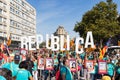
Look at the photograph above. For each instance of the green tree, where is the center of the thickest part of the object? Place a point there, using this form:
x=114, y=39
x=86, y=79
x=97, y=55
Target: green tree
x=119, y=19
x=42, y=45
x=101, y=20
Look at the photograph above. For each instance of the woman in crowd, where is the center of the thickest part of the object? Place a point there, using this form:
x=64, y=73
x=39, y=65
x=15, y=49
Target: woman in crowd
x=117, y=71
x=23, y=73
x=35, y=72
x=110, y=69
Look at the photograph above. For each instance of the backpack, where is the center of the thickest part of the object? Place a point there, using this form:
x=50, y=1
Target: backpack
x=58, y=75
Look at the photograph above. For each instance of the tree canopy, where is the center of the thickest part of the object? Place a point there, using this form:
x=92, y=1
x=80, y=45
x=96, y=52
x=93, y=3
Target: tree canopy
x=101, y=20
x=119, y=19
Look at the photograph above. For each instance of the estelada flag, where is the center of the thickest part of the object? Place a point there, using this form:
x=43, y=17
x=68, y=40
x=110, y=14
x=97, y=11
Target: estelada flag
x=9, y=40
x=71, y=43
x=102, y=52
x=65, y=45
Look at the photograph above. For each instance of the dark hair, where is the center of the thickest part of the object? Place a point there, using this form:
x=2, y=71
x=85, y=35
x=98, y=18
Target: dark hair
x=59, y=57
x=23, y=64
x=64, y=60
x=6, y=73
x=0, y=50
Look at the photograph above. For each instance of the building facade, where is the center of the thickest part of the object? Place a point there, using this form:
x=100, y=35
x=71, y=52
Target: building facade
x=61, y=31
x=18, y=18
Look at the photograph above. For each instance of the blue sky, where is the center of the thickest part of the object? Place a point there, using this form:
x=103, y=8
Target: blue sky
x=52, y=13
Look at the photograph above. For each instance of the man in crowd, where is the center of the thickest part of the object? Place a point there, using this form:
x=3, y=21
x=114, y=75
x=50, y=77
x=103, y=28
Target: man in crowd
x=65, y=71
x=29, y=63
x=1, y=56
x=13, y=66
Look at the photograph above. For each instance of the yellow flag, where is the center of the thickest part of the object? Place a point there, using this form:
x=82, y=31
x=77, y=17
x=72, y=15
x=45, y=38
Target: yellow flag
x=9, y=40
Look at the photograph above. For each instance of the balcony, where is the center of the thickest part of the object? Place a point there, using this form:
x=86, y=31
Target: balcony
x=0, y=23
x=2, y=15
x=3, y=8
x=3, y=1
x=3, y=29
x=3, y=23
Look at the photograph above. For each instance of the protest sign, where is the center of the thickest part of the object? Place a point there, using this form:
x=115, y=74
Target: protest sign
x=89, y=65
x=102, y=65
x=41, y=63
x=23, y=51
x=72, y=64
x=49, y=64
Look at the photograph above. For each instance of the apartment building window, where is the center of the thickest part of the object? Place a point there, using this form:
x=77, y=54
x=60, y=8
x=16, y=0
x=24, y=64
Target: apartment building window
x=18, y=25
x=12, y=30
x=13, y=37
x=4, y=20
x=22, y=14
x=12, y=9
x=0, y=11
x=1, y=3
x=1, y=27
x=11, y=0
x=11, y=22
x=0, y=19
x=23, y=3
x=16, y=12
x=18, y=8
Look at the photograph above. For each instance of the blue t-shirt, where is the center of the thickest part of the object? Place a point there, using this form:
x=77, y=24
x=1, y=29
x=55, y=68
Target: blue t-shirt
x=23, y=74
x=12, y=66
x=110, y=69
x=52, y=55
x=95, y=70
x=35, y=66
x=6, y=65
x=118, y=70
x=2, y=78
x=56, y=61
x=67, y=72
x=105, y=58
x=82, y=55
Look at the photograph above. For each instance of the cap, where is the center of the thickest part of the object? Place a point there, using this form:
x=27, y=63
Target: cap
x=17, y=57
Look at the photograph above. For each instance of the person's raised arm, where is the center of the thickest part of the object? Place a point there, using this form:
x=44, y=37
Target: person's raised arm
x=31, y=78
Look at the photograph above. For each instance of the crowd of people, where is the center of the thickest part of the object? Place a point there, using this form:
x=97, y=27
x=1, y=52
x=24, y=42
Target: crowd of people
x=18, y=66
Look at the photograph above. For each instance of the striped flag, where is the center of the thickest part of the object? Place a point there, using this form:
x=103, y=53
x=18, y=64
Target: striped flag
x=65, y=45
x=102, y=52
x=72, y=43
x=9, y=40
